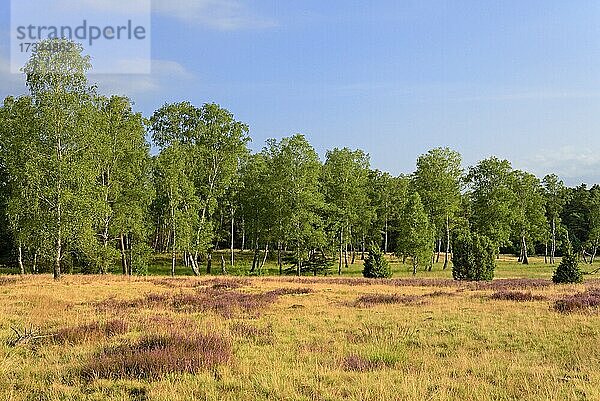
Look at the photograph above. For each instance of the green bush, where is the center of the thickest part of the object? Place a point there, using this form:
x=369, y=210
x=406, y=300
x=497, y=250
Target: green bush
x=376, y=265
x=473, y=258
x=568, y=270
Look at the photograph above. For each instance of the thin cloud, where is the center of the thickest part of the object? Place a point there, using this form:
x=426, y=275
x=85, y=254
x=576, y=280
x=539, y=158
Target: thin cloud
x=226, y=15
x=165, y=73
x=573, y=164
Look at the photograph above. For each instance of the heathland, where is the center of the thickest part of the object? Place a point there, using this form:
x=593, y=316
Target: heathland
x=89, y=337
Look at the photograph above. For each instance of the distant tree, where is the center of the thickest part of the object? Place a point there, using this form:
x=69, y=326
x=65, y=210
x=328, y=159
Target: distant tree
x=294, y=169
x=213, y=143
x=344, y=180
x=415, y=235
x=473, y=257
x=176, y=203
x=6, y=240
x=388, y=197
x=492, y=199
x=594, y=216
x=576, y=218
x=556, y=196
x=568, y=270
x=255, y=202
x=528, y=211
x=438, y=182
x=376, y=265
x=124, y=187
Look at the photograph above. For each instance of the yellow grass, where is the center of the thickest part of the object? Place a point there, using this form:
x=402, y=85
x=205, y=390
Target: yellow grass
x=457, y=346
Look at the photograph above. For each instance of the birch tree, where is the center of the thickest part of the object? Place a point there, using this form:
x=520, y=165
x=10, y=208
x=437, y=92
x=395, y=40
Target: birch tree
x=438, y=181
x=556, y=197
x=344, y=180
x=58, y=165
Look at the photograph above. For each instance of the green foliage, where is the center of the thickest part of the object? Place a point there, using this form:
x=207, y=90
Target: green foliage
x=293, y=169
x=492, y=199
x=376, y=265
x=344, y=183
x=50, y=157
x=568, y=270
x=141, y=254
x=202, y=148
x=473, y=256
x=437, y=180
x=388, y=196
x=415, y=236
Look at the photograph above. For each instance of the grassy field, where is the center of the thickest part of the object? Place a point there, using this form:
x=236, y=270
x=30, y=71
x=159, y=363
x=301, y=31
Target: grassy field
x=507, y=267
x=324, y=338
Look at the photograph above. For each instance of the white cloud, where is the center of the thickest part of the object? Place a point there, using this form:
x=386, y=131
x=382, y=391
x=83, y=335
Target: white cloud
x=224, y=15
x=164, y=73
x=573, y=164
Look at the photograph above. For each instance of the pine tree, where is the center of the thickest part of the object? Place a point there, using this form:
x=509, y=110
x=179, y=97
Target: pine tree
x=568, y=270
x=376, y=266
x=473, y=258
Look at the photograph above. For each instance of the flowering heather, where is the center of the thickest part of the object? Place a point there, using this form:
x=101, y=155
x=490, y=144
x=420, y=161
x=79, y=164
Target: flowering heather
x=497, y=285
x=378, y=299
x=517, y=296
x=156, y=355
x=206, y=299
x=580, y=302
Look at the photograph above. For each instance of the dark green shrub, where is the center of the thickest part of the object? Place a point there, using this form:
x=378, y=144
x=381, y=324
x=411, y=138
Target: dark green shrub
x=568, y=270
x=474, y=257
x=376, y=265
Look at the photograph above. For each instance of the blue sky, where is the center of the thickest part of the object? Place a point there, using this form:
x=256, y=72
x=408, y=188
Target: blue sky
x=516, y=79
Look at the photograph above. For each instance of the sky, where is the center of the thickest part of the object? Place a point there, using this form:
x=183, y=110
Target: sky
x=516, y=79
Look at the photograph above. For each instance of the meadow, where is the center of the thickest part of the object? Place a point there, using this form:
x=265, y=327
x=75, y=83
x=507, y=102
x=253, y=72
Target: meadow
x=86, y=337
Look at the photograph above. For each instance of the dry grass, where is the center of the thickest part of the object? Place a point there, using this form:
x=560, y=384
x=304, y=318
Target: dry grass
x=277, y=339
x=91, y=331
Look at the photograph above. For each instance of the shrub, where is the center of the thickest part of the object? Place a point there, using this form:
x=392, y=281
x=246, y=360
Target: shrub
x=376, y=266
x=568, y=270
x=473, y=258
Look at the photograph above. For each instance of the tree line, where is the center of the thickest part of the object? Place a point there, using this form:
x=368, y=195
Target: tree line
x=79, y=186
